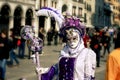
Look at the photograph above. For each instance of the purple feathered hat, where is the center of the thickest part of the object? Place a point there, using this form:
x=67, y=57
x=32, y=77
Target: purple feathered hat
x=72, y=22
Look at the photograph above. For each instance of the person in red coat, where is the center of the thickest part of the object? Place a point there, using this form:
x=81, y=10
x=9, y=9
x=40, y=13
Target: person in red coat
x=86, y=40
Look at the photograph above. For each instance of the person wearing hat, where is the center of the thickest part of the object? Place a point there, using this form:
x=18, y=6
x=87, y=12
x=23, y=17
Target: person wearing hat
x=76, y=62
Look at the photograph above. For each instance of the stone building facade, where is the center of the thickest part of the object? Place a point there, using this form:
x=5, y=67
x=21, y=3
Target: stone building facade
x=115, y=11
x=89, y=10
x=17, y=13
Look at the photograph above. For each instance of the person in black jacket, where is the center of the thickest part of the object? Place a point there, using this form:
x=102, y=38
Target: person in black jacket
x=4, y=52
x=49, y=36
x=12, y=52
x=42, y=36
x=106, y=43
x=95, y=45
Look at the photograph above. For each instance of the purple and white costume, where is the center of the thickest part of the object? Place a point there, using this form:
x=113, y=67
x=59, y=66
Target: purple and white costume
x=75, y=62
x=79, y=65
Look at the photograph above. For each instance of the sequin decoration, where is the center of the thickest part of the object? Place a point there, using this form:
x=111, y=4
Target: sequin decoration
x=27, y=32
x=35, y=43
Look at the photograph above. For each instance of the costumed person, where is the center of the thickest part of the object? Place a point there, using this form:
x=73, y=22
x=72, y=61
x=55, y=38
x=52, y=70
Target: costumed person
x=113, y=61
x=76, y=62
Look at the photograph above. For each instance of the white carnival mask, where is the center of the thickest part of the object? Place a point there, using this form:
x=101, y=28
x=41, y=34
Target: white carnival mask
x=73, y=38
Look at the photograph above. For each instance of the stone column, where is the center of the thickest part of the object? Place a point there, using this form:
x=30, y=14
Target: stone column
x=47, y=24
x=11, y=22
x=23, y=21
x=37, y=4
x=49, y=3
x=35, y=24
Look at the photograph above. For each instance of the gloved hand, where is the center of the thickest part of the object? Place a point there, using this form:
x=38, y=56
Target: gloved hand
x=41, y=70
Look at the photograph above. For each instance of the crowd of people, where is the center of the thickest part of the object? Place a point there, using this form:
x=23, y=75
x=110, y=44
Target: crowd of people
x=95, y=39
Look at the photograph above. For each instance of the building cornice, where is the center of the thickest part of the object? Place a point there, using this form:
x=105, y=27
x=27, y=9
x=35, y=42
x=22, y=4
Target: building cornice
x=28, y=3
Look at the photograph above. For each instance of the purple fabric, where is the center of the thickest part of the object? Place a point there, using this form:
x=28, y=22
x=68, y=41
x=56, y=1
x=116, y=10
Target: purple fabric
x=66, y=66
x=49, y=75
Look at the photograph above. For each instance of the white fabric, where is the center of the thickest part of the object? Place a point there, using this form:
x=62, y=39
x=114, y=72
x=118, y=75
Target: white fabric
x=85, y=61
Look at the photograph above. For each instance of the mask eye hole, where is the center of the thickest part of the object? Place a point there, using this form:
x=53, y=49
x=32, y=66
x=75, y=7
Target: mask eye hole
x=74, y=38
x=68, y=39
